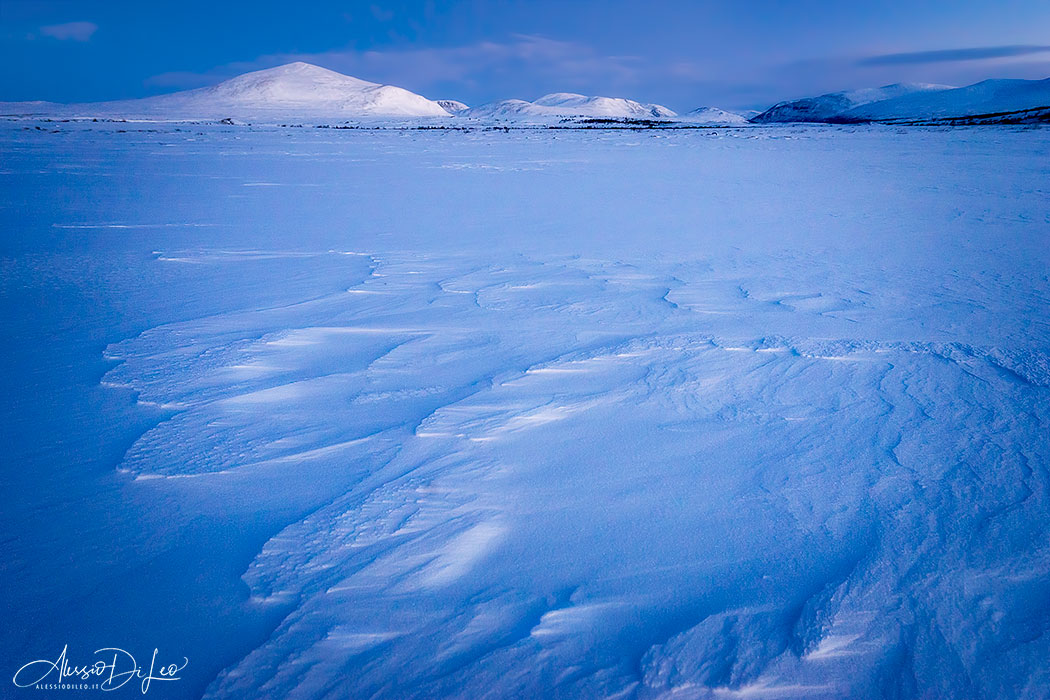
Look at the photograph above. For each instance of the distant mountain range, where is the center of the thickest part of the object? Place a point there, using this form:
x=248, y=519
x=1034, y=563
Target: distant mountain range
x=306, y=92
x=984, y=101
x=568, y=104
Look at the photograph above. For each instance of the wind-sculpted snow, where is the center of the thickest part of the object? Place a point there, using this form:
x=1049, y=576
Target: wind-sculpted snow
x=549, y=413
x=593, y=478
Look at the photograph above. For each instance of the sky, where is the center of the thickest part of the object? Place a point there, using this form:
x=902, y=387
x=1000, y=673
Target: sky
x=680, y=53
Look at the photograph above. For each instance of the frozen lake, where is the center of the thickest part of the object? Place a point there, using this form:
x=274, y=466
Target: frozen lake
x=753, y=412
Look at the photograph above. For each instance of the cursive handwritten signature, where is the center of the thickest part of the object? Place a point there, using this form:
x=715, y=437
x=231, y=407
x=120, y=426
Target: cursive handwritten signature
x=112, y=669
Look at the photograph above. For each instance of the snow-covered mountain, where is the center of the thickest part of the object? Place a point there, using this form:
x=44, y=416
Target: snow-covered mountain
x=303, y=91
x=568, y=104
x=834, y=105
x=713, y=115
x=453, y=106
x=294, y=90
x=986, y=97
x=905, y=102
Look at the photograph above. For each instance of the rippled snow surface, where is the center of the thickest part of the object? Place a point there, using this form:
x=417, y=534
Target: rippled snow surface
x=752, y=413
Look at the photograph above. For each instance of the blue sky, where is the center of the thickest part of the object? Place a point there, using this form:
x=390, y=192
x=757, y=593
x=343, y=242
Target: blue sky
x=678, y=53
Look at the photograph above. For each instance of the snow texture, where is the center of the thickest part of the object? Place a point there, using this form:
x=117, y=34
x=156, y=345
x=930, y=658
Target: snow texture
x=768, y=421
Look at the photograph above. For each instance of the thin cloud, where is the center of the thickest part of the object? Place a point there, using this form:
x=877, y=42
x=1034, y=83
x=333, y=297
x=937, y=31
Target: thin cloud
x=70, y=31
x=951, y=55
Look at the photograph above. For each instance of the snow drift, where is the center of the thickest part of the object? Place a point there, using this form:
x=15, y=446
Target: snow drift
x=725, y=413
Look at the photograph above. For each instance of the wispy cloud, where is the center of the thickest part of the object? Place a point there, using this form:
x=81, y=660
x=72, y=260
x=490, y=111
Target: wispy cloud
x=70, y=31
x=952, y=55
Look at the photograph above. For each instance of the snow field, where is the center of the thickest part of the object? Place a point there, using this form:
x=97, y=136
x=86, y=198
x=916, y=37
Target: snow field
x=738, y=413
